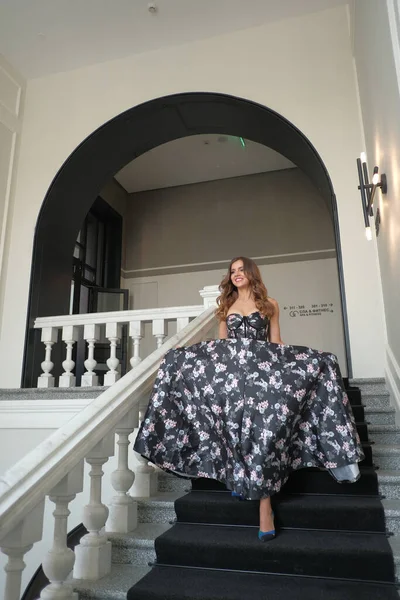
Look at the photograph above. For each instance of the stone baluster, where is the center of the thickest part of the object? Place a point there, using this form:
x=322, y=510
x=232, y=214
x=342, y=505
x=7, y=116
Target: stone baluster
x=15, y=545
x=146, y=479
x=123, y=508
x=70, y=335
x=113, y=333
x=181, y=323
x=91, y=334
x=49, y=337
x=93, y=554
x=136, y=333
x=59, y=561
x=159, y=331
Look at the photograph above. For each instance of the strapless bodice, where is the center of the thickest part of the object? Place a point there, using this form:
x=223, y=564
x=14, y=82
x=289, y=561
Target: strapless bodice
x=253, y=326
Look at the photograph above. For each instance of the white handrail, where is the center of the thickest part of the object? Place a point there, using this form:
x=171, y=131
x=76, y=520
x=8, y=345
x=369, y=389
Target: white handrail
x=119, y=316
x=23, y=486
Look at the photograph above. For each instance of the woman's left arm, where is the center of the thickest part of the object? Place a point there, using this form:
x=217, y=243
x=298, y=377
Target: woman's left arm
x=274, y=328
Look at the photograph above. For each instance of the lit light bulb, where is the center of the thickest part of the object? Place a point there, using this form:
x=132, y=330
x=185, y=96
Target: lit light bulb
x=368, y=233
x=363, y=157
x=375, y=178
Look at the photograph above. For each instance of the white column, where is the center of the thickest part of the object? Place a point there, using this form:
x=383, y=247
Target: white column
x=93, y=554
x=123, y=509
x=136, y=333
x=59, y=561
x=209, y=293
x=91, y=334
x=113, y=333
x=70, y=335
x=181, y=323
x=15, y=545
x=49, y=337
x=159, y=331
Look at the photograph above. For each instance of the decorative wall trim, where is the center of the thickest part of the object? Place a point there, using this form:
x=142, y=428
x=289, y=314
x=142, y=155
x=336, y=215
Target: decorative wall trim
x=39, y=414
x=392, y=373
x=222, y=264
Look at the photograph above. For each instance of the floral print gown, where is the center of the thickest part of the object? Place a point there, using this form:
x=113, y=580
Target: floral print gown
x=247, y=412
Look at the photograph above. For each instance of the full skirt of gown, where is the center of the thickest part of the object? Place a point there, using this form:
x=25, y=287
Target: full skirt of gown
x=247, y=413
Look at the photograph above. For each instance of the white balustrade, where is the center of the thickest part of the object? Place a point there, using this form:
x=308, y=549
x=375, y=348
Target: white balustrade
x=159, y=331
x=145, y=484
x=15, y=544
x=136, y=333
x=59, y=561
x=48, y=337
x=181, y=323
x=70, y=335
x=91, y=333
x=93, y=554
x=88, y=325
x=113, y=333
x=54, y=467
x=123, y=508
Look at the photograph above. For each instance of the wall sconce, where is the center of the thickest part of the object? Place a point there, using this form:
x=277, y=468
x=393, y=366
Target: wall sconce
x=368, y=190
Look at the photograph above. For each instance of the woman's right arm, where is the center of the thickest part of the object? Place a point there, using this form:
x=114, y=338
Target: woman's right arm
x=222, y=330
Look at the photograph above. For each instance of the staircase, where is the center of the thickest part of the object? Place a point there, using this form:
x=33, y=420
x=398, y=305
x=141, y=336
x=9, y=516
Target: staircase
x=215, y=531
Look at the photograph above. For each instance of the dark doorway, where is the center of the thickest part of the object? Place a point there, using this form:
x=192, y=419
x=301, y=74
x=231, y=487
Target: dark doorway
x=112, y=146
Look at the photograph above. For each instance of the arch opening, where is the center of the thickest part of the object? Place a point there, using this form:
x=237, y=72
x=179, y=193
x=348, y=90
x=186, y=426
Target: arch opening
x=100, y=156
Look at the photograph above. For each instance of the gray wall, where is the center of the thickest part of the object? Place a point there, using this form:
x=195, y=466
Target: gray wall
x=376, y=48
x=257, y=215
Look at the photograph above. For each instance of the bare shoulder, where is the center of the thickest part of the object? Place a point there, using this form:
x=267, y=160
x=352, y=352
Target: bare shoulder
x=273, y=302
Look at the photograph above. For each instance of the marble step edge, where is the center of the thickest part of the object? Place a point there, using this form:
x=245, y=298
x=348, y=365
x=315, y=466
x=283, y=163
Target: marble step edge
x=383, y=428
x=368, y=410
x=374, y=393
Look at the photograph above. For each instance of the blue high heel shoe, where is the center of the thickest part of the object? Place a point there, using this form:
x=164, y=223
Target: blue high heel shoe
x=267, y=536
x=237, y=496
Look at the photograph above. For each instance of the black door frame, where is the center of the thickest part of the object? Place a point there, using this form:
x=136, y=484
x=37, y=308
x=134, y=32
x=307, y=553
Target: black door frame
x=101, y=155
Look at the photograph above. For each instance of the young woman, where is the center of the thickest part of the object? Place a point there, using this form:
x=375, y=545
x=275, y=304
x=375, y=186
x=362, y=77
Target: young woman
x=246, y=409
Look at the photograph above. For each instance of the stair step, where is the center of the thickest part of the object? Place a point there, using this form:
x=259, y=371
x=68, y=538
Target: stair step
x=386, y=456
x=136, y=548
x=379, y=416
x=389, y=483
x=392, y=514
x=158, y=509
x=171, y=483
x=352, y=513
x=111, y=587
x=384, y=434
x=176, y=583
x=318, y=553
x=376, y=400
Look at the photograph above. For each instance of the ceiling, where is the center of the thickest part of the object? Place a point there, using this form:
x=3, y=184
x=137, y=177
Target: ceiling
x=40, y=37
x=199, y=158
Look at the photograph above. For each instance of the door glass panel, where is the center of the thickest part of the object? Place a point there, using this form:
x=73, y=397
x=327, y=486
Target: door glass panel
x=84, y=300
x=91, y=243
x=108, y=301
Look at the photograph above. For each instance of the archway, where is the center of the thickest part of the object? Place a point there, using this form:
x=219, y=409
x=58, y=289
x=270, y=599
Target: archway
x=118, y=142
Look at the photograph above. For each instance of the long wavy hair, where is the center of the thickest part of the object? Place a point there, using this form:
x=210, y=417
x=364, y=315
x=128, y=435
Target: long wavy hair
x=229, y=293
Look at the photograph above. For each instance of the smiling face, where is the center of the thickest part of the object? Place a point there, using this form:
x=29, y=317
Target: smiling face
x=238, y=276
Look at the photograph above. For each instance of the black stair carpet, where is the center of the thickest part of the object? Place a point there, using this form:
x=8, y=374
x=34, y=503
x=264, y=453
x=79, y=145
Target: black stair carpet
x=331, y=542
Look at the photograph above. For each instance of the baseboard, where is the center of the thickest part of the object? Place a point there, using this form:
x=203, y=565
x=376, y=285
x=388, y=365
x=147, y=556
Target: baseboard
x=392, y=372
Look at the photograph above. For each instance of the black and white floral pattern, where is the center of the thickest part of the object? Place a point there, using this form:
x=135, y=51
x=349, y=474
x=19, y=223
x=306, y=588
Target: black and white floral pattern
x=247, y=412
